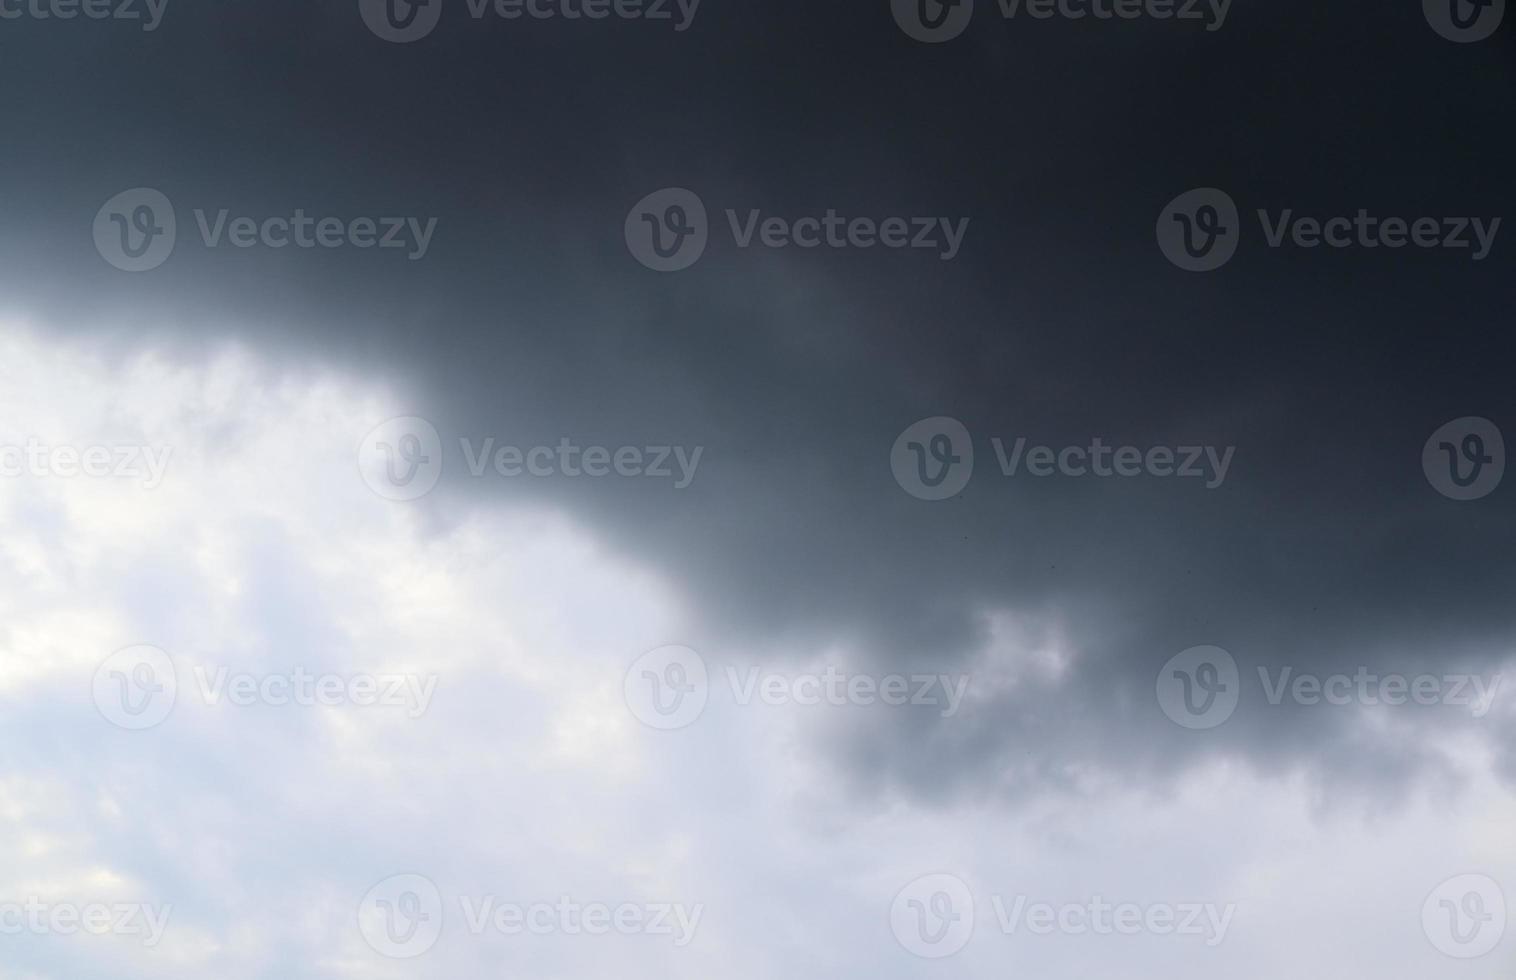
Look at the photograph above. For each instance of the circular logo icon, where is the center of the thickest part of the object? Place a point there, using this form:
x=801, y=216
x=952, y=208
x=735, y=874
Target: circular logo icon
x=933, y=459
x=933, y=21
x=667, y=230
x=667, y=688
x=933, y=916
x=401, y=917
x=401, y=21
x=1199, y=230
x=1465, y=916
x=1200, y=687
x=401, y=459
x=1465, y=459
x=135, y=231
x=1464, y=21
x=136, y=688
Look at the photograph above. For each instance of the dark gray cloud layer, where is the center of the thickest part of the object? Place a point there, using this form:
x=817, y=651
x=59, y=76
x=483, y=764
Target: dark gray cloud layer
x=1060, y=320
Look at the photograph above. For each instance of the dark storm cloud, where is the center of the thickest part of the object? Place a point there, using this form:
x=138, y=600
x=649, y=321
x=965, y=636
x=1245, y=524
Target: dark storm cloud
x=1060, y=321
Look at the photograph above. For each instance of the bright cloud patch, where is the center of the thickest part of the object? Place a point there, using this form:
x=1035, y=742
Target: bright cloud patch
x=367, y=689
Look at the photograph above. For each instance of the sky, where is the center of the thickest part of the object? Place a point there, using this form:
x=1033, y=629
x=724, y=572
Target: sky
x=495, y=489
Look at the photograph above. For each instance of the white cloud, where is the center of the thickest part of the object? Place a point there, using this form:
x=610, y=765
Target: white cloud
x=528, y=779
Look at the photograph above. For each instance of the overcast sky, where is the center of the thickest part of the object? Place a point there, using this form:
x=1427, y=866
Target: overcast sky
x=626, y=405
